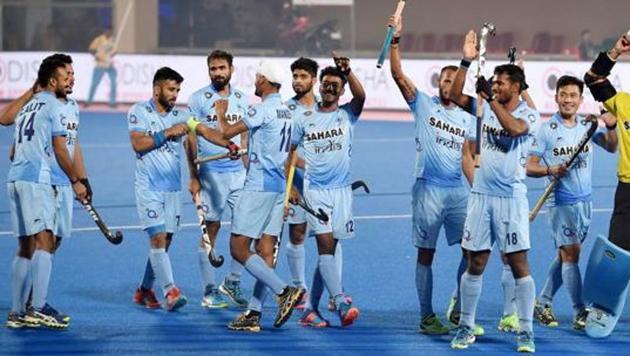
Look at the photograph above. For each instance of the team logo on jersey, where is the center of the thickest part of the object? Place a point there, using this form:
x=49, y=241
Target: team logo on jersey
x=133, y=119
x=63, y=119
x=208, y=95
x=152, y=214
x=237, y=95
x=553, y=125
x=323, y=135
x=569, y=150
x=251, y=112
x=149, y=109
x=175, y=112
x=308, y=113
x=205, y=208
x=447, y=127
x=532, y=118
x=292, y=107
x=467, y=235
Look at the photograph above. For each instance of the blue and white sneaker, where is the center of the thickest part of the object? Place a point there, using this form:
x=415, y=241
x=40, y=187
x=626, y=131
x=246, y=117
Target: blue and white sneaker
x=47, y=317
x=213, y=299
x=464, y=337
x=525, y=342
x=232, y=290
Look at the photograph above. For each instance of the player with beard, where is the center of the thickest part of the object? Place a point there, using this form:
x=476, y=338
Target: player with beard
x=41, y=129
x=220, y=182
x=439, y=194
x=155, y=131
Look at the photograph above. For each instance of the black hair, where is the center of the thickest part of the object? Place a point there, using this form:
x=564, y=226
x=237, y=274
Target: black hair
x=514, y=72
x=60, y=57
x=446, y=68
x=566, y=80
x=334, y=71
x=306, y=64
x=219, y=54
x=47, y=70
x=166, y=73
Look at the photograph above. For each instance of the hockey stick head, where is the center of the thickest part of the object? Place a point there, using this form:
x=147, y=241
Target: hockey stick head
x=321, y=215
x=216, y=262
x=512, y=55
x=115, y=238
x=360, y=184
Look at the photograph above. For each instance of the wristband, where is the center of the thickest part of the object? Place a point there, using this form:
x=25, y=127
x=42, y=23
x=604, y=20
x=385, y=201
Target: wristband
x=611, y=127
x=395, y=40
x=548, y=170
x=192, y=124
x=464, y=63
x=159, y=138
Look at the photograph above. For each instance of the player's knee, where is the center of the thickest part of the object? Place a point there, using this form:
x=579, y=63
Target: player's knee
x=45, y=240
x=26, y=247
x=297, y=233
x=326, y=244
x=570, y=253
x=239, y=248
x=213, y=227
x=477, y=262
x=425, y=256
x=518, y=263
x=159, y=240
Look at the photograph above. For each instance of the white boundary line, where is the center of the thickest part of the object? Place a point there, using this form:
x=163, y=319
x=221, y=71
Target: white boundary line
x=189, y=225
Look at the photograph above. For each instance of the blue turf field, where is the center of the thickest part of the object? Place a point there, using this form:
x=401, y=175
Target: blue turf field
x=93, y=281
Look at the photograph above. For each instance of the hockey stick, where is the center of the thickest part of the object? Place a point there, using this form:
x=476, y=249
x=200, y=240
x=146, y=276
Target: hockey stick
x=207, y=243
x=554, y=182
x=319, y=214
x=219, y=156
x=487, y=29
x=512, y=55
x=115, y=238
x=389, y=35
x=360, y=184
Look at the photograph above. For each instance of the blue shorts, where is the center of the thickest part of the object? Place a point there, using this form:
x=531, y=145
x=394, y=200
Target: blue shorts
x=257, y=213
x=64, y=201
x=219, y=189
x=570, y=223
x=337, y=203
x=159, y=212
x=297, y=215
x=434, y=206
x=490, y=219
x=32, y=207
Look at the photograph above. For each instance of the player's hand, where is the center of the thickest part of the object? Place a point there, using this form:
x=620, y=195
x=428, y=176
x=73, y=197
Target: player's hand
x=36, y=88
x=194, y=187
x=484, y=87
x=176, y=130
x=396, y=23
x=220, y=107
x=470, y=50
x=233, y=148
x=342, y=63
x=623, y=45
x=609, y=119
x=88, y=188
x=80, y=191
x=559, y=170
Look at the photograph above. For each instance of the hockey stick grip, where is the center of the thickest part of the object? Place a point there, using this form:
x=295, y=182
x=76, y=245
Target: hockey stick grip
x=389, y=35
x=218, y=156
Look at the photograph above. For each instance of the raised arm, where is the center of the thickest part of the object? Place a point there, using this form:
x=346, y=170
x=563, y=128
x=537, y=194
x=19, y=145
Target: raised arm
x=407, y=89
x=456, y=93
x=514, y=127
x=595, y=78
x=358, y=94
x=8, y=114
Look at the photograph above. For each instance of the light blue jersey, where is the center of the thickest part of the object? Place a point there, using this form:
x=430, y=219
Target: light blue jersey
x=556, y=143
x=69, y=119
x=201, y=104
x=37, y=122
x=158, y=169
x=269, y=124
x=297, y=111
x=503, y=157
x=327, y=141
x=440, y=134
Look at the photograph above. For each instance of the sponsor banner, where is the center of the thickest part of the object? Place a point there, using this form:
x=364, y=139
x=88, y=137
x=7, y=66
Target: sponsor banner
x=18, y=71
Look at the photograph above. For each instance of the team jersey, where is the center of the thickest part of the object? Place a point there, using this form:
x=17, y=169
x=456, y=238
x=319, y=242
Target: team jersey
x=502, y=169
x=69, y=119
x=619, y=105
x=158, y=169
x=201, y=105
x=327, y=141
x=440, y=134
x=269, y=124
x=37, y=123
x=556, y=143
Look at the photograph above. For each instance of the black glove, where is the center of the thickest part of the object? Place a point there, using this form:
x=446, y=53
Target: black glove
x=233, y=148
x=86, y=183
x=484, y=87
x=343, y=64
